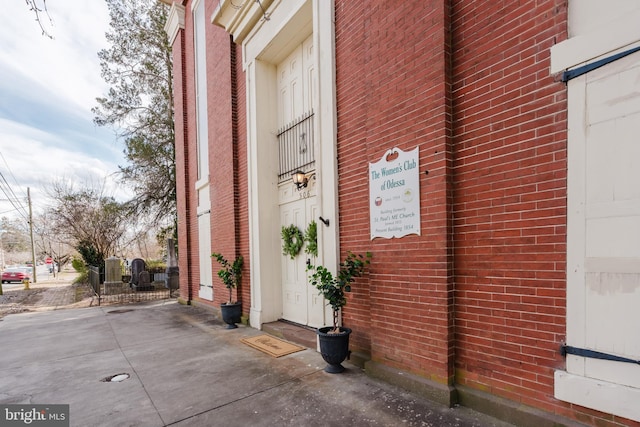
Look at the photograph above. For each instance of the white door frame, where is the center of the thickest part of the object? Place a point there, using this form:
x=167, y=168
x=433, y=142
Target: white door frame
x=290, y=22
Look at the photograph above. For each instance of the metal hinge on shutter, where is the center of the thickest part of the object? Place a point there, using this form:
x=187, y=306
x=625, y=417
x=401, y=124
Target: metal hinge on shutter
x=583, y=352
x=568, y=75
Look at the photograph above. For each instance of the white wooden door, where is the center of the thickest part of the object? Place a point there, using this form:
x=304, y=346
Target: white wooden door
x=296, y=80
x=294, y=280
x=301, y=302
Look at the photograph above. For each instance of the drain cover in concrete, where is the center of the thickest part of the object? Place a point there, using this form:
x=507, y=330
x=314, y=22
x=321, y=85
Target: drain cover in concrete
x=116, y=378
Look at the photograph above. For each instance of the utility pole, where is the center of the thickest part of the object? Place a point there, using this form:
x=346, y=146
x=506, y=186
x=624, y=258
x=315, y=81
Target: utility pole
x=2, y=262
x=33, y=247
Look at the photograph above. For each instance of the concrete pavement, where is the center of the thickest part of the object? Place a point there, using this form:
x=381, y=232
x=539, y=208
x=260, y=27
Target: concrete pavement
x=58, y=293
x=186, y=369
x=49, y=293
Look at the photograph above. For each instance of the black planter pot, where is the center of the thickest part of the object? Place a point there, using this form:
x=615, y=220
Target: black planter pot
x=231, y=314
x=334, y=348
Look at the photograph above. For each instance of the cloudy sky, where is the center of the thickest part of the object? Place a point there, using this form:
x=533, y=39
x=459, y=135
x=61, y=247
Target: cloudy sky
x=47, y=90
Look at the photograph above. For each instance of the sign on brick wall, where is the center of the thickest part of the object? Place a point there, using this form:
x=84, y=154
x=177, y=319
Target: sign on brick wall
x=394, y=194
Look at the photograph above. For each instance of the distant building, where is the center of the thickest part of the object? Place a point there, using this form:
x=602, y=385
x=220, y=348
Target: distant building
x=518, y=186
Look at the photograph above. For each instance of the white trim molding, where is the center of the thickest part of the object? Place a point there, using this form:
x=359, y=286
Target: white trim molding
x=619, y=34
x=175, y=22
x=239, y=20
x=264, y=46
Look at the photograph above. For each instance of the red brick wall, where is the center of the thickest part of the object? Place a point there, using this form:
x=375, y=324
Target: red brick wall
x=392, y=92
x=509, y=207
x=194, y=261
x=482, y=291
x=242, y=179
x=479, y=297
x=181, y=132
x=221, y=159
x=184, y=115
x=227, y=158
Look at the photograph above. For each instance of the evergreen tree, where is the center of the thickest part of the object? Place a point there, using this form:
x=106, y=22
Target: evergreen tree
x=139, y=105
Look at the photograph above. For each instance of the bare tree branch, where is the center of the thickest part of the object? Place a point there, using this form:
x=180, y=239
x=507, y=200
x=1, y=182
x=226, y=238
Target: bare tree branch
x=37, y=10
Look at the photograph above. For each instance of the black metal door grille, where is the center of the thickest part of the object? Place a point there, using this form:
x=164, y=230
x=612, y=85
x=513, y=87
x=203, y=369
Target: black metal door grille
x=296, y=149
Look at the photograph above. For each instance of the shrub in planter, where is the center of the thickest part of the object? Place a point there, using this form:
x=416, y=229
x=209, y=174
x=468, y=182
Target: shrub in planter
x=334, y=340
x=230, y=273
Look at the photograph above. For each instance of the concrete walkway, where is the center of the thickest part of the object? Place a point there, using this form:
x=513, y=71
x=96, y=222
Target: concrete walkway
x=186, y=369
x=59, y=292
x=49, y=293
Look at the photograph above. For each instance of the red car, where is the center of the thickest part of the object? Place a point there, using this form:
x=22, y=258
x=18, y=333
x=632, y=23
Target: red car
x=15, y=275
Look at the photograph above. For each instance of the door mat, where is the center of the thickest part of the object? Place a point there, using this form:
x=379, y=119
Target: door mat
x=271, y=345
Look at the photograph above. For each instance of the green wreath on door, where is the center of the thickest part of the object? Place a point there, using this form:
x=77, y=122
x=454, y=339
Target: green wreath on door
x=292, y=240
x=311, y=237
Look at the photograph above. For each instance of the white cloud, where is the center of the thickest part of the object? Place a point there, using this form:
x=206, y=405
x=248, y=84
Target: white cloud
x=67, y=67
x=35, y=159
x=47, y=90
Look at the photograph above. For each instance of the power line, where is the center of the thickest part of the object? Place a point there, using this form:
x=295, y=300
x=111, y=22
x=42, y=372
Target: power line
x=11, y=196
x=9, y=193
x=12, y=175
x=8, y=211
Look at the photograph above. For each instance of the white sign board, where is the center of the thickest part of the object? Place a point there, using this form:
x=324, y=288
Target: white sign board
x=394, y=194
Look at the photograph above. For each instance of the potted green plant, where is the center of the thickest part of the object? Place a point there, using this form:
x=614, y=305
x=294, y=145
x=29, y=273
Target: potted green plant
x=334, y=340
x=230, y=273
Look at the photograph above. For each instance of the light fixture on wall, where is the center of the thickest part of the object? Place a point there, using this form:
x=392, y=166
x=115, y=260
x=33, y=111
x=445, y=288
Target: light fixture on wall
x=301, y=180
